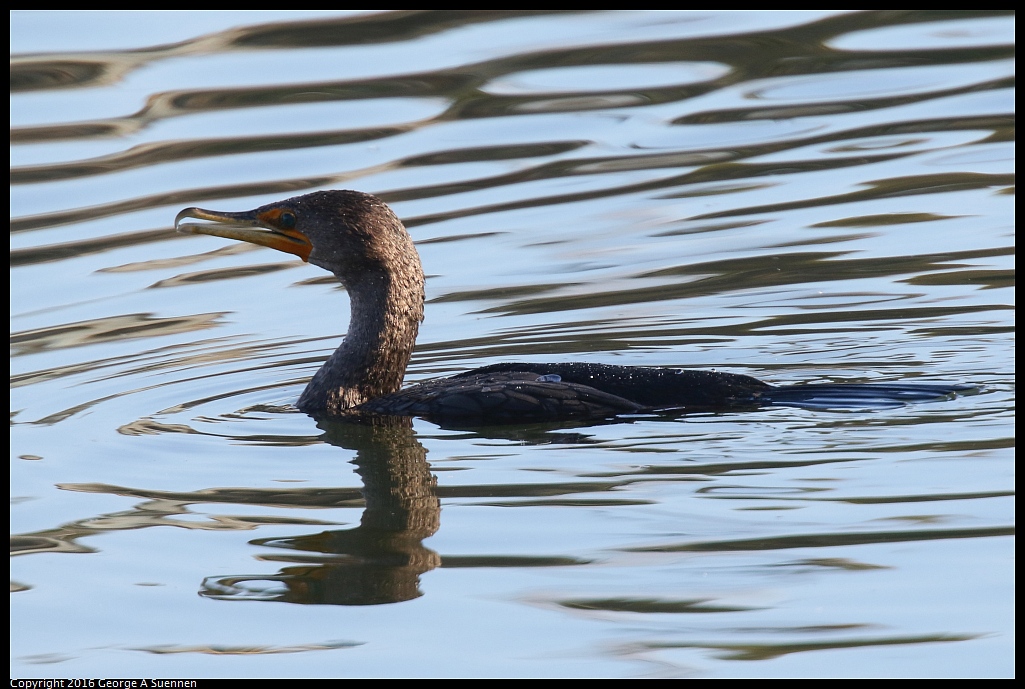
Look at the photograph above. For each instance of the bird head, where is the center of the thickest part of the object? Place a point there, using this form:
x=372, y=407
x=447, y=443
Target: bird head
x=352, y=234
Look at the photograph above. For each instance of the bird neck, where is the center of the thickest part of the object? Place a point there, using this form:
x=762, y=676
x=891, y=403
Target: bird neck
x=387, y=308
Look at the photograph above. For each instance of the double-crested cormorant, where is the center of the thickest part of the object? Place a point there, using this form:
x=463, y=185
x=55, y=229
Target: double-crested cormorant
x=357, y=237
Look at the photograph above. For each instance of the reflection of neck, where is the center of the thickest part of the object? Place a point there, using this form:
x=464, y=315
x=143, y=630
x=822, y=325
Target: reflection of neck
x=400, y=491
x=387, y=308
x=402, y=509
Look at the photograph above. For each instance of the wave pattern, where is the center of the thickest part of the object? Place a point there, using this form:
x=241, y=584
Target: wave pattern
x=802, y=197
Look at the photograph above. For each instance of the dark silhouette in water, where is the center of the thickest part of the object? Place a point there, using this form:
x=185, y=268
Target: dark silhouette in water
x=357, y=237
x=379, y=561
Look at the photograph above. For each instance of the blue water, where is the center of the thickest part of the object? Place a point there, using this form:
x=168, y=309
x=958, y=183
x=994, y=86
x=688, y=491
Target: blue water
x=801, y=197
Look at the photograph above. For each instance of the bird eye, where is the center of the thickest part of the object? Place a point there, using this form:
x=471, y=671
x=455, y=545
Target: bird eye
x=287, y=220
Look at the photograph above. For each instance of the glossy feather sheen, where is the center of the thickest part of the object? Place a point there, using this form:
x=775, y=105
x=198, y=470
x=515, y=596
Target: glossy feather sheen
x=357, y=237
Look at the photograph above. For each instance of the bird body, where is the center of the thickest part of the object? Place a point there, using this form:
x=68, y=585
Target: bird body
x=535, y=392
x=357, y=237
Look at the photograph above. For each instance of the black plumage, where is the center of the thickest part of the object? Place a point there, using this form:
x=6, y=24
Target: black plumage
x=357, y=237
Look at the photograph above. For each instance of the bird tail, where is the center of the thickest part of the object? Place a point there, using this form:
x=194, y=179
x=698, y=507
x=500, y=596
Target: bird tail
x=860, y=395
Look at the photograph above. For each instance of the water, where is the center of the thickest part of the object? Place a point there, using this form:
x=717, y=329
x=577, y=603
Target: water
x=802, y=197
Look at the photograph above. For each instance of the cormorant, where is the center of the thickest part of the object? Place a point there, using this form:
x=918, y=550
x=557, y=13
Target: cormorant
x=357, y=237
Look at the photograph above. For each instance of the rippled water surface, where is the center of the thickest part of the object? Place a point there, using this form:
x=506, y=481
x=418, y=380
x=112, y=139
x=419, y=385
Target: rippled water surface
x=801, y=197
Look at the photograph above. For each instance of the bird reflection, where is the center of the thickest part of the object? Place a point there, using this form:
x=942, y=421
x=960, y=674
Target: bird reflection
x=379, y=561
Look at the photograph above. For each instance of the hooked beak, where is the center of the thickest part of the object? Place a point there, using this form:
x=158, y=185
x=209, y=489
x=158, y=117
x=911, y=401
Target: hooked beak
x=248, y=226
